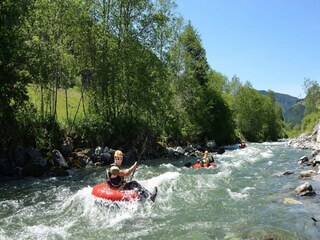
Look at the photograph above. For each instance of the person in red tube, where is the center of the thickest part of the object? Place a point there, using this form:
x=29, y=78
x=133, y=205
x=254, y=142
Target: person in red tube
x=205, y=159
x=115, y=178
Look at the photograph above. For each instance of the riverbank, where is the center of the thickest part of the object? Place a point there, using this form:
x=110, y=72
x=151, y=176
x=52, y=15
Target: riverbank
x=311, y=141
x=30, y=162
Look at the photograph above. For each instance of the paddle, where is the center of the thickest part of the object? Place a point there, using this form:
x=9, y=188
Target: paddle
x=142, y=151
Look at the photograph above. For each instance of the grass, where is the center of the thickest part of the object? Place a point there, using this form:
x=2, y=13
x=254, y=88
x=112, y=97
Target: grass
x=74, y=96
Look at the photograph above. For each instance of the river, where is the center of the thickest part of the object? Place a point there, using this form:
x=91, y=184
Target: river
x=242, y=198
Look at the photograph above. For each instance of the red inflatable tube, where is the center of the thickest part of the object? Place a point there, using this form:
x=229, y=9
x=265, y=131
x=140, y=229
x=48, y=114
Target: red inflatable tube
x=198, y=165
x=104, y=191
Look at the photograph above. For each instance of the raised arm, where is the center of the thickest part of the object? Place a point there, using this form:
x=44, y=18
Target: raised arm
x=128, y=171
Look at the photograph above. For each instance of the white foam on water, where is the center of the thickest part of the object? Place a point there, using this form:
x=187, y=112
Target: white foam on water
x=223, y=173
x=231, y=147
x=247, y=189
x=166, y=184
x=100, y=212
x=267, y=154
x=237, y=195
x=3, y=235
x=274, y=143
x=10, y=204
x=166, y=177
x=167, y=165
x=148, y=171
x=103, y=213
x=237, y=159
x=37, y=219
x=43, y=232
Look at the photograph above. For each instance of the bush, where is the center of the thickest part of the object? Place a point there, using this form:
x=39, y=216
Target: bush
x=44, y=133
x=309, y=121
x=91, y=131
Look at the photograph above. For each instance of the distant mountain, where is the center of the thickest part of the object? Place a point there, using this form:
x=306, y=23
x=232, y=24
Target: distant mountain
x=292, y=107
x=295, y=113
x=285, y=100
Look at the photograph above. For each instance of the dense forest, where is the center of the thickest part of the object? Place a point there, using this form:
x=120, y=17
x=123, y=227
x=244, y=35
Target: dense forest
x=140, y=70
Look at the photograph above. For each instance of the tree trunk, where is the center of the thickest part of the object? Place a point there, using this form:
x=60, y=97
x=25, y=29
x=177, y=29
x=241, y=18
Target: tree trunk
x=67, y=107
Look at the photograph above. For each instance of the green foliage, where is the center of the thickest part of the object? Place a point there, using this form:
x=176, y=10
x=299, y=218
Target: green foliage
x=96, y=131
x=32, y=131
x=258, y=117
x=312, y=100
x=189, y=81
x=310, y=106
x=292, y=130
x=218, y=122
x=27, y=129
x=109, y=72
x=92, y=131
x=309, y=121
x=233, y=86
x=13, y=75
x=295, y=113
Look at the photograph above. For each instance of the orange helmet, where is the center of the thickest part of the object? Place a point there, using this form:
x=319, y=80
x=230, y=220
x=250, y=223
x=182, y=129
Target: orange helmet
x=118, y=153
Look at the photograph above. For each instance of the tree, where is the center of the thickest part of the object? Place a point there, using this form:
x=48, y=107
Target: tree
x=274, y=121
x=234, y=85
x=258, y=117
x=312, y=100
x=13, y=76
x=312, y=105
x=219, y=124
x=190, y=76
x=201, y=109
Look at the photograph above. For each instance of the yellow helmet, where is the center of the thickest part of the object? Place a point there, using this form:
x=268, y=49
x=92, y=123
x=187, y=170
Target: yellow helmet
x=118, y=153
x=206, y=152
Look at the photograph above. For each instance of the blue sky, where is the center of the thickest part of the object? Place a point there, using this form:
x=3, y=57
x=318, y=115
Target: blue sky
x=273, y=44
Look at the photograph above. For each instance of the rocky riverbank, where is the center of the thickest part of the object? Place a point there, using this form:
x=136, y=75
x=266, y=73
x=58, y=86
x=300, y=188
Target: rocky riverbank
x=311, y=142
x=30, y=162
x=305, y=141
x=310, y=166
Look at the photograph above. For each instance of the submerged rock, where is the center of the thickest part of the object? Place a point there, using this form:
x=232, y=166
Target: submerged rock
x=304, y=187
x=291, y=201
x=307, y=193
x=308, y=173
x=303, y=159
x=288, y=173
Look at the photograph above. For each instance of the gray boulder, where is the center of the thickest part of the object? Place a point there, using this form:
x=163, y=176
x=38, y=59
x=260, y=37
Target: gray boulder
x=308, y=173
x=58, y=159
x=302, y=188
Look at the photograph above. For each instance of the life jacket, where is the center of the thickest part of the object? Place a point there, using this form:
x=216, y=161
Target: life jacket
x=114, y=180
x=205, y=160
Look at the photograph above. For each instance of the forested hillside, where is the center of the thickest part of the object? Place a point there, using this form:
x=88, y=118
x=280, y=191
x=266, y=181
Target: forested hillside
x=295, y=113
x=293, y=108
x=139, y=69
x=285, y=100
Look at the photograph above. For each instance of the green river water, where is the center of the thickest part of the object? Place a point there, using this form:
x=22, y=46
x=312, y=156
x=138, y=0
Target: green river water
x=242, y=198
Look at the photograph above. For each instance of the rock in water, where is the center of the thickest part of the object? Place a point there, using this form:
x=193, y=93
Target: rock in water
x=291, y=201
